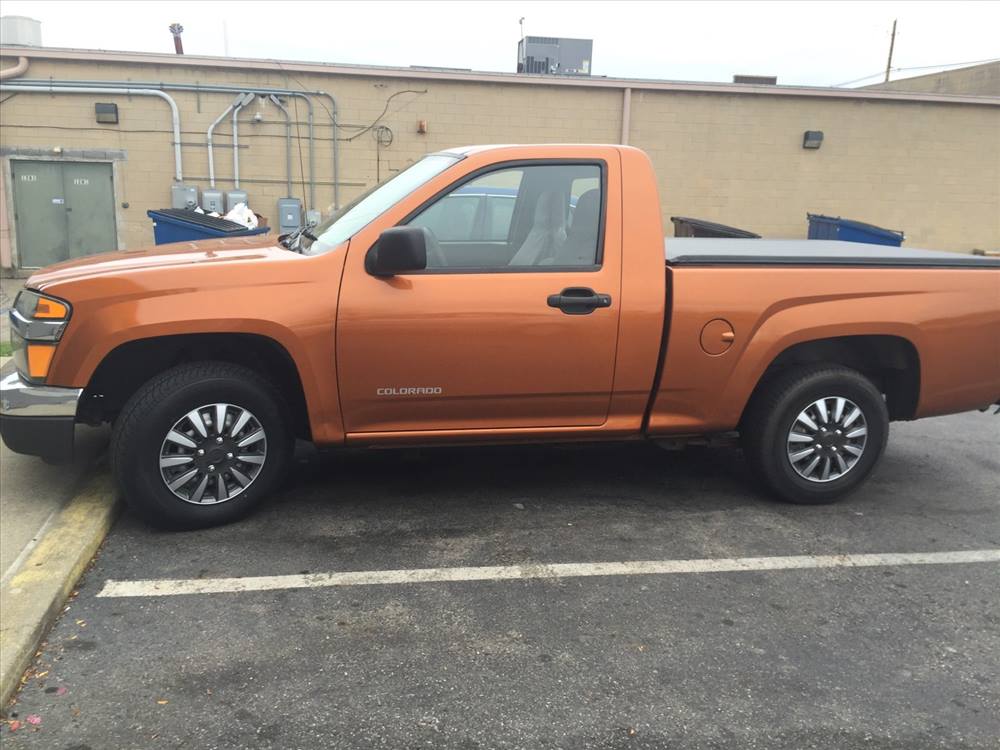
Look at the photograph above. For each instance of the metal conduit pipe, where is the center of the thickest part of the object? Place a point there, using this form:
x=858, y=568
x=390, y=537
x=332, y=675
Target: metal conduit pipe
x=244, y=101
x=208, y=138
x=336, y=147
x=225, y=88
x=19, y=87
x=288, y=144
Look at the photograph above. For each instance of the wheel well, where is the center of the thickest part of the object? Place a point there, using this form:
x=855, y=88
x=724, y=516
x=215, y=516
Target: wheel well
x=126, y=368
x=890, y=362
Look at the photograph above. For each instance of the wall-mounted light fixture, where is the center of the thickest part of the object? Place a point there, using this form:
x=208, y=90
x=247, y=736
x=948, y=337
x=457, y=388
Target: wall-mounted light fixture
x=106, y=113
x=812, y=139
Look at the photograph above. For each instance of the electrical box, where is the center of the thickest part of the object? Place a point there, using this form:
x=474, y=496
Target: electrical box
x=313, y=217
x=183, y=196
x=236, y=196
x=213, y=200
x=289, y=214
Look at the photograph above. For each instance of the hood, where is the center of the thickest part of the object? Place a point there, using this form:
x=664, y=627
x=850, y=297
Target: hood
x=173, y=256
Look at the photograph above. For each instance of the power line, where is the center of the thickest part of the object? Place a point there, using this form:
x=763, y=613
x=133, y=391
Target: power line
x=920, y=67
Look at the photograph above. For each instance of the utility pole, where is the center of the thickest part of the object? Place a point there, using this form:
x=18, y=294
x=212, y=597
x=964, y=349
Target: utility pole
x=892, y=43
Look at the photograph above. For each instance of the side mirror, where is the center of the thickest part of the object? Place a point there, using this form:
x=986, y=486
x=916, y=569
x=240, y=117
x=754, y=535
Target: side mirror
x=398, y=250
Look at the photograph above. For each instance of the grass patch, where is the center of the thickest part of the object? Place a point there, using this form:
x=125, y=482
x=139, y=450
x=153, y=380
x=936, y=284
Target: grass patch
x=5, y=349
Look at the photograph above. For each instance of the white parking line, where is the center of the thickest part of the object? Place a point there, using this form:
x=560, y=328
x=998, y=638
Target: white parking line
x=178, y=587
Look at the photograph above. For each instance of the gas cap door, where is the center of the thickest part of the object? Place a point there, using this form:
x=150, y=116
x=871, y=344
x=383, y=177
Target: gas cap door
x=717, y=336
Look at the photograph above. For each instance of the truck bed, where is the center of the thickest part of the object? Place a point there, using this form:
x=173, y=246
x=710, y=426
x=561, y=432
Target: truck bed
x=689, y=251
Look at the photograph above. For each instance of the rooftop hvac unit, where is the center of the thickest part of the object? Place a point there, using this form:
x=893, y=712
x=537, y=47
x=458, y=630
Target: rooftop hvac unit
x=20, y=31
x=759, y=80
x=554, y=56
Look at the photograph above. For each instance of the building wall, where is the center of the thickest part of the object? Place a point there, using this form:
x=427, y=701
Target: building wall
x=930, y=169
x=983, y=80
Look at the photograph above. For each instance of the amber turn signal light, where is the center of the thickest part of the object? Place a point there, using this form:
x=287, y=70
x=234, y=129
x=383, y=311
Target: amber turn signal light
x=50, y=309
x=39, y=359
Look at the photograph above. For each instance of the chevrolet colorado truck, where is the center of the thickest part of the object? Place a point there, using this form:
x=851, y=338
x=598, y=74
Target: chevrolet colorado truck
x=493, y=294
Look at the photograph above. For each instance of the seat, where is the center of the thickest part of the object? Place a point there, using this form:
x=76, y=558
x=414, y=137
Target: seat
x=580, y=247
x=548, y=231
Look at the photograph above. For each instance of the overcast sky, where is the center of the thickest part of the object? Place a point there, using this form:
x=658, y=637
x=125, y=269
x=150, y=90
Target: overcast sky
x=813, y=43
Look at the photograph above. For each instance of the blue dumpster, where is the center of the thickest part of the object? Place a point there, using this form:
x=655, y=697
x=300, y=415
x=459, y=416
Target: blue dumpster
x=835, y=228
x=181, y=225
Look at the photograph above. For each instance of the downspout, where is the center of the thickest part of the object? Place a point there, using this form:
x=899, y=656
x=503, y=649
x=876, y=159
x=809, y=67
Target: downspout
x=288, y=144
x=208, y=138
x=626, y=114
x=175, y=114
x=18, y=70
x=247, y=98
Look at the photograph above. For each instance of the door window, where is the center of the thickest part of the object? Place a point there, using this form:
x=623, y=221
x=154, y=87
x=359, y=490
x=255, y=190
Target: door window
x=521, y=218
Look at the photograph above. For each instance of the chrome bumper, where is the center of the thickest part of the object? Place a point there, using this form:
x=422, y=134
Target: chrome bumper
x=20, y=399
x=37, y=420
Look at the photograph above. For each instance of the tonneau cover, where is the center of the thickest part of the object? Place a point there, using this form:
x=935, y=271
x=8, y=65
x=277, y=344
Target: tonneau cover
x=694, y=251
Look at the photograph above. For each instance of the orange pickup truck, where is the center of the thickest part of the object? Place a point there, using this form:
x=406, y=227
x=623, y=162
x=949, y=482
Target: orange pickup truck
x=493, y=294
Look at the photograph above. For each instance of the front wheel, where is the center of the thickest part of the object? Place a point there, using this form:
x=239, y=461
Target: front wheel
x=200, y=445
x=815, y=433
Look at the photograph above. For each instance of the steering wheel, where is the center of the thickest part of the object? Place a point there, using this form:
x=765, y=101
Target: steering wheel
x=434, y=249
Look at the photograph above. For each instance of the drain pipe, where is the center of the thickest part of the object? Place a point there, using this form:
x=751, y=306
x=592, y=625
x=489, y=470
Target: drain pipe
x=236, y=137
x=225, y=89
x=17, y=86
x=208, y=138
x=288, y=144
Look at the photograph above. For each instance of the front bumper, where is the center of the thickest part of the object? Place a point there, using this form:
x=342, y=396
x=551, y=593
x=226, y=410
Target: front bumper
x=38, y=420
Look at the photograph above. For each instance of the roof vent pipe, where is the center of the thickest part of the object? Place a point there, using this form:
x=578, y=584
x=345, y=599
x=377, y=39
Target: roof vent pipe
x=176, y=29
x=17, y=70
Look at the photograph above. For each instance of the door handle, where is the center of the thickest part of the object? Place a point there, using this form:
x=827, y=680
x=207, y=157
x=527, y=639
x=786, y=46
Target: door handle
x=577, y=300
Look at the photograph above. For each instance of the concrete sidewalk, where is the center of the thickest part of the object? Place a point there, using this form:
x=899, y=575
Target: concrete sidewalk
x=52, y=518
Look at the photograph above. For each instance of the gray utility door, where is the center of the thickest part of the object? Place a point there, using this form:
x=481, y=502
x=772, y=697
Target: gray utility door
x=62, y=210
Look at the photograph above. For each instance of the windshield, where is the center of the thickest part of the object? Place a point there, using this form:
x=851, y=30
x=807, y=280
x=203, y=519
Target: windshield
x=346, y=222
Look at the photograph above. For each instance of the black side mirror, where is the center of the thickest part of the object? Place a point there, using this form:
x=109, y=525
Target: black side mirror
x=398, y=250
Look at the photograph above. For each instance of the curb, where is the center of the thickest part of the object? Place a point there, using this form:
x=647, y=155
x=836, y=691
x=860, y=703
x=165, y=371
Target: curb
x=34, y=596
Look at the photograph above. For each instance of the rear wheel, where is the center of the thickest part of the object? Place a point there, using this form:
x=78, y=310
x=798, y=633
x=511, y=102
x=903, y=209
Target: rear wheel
x=815, y=433
x=200, y=445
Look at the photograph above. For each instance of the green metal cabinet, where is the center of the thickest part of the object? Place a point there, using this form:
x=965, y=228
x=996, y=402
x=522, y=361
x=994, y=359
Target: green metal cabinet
x=62, y=210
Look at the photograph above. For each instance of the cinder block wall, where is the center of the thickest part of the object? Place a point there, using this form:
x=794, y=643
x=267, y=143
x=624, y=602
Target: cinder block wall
x=930, y=169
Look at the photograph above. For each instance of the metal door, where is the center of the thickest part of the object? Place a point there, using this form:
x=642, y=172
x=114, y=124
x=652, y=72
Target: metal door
x=90, y=208
x=62, y=210
x=39, y=213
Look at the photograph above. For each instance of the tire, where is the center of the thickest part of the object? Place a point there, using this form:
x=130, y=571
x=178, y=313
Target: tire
x=778, y=455
x=145, y=460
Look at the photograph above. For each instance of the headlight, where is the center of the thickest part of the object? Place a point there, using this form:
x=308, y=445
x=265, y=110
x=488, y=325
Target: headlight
x=37, y=322
x=34, y=306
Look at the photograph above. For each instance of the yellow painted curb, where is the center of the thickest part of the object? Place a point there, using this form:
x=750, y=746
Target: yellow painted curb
x=33, y=597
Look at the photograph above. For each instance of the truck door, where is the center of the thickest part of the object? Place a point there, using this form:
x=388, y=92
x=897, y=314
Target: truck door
x=514, y=327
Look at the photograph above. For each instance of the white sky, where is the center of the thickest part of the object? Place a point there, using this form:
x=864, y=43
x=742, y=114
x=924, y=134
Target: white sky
x=812, y=43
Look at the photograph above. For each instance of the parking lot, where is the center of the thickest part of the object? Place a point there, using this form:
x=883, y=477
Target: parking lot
x=772, y=655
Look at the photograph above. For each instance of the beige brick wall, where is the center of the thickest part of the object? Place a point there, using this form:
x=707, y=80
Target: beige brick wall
x=931, y=169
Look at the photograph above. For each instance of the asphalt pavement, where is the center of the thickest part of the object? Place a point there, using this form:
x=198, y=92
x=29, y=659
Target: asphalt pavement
x=895, y=656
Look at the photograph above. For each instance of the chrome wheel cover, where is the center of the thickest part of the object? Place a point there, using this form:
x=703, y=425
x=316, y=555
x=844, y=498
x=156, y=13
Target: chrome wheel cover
x=212, y=454
x=827, y=439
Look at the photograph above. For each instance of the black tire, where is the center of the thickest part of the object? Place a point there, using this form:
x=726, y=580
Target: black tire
x=155, y=408
x=774, y=409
